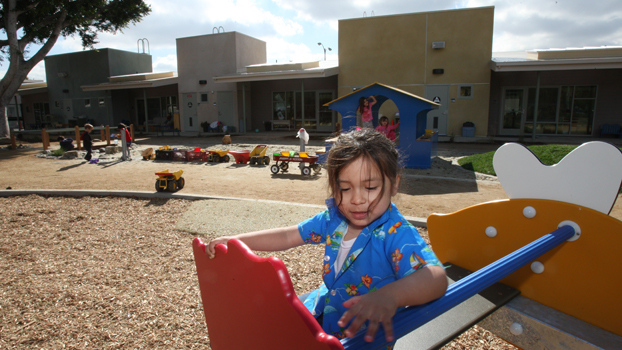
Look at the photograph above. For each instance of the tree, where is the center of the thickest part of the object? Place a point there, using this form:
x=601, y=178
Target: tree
x=26, y=23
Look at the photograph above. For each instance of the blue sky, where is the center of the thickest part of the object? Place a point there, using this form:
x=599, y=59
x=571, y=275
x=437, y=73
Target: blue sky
x=292, y=28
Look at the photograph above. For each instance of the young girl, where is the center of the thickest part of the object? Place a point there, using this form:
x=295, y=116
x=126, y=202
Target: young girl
x=365, y=109
x=386, y=129
x=87, y=141
x=375, y=262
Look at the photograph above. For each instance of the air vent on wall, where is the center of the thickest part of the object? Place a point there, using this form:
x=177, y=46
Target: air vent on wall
x=438, y=45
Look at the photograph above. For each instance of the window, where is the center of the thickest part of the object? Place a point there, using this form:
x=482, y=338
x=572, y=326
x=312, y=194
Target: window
x=465, y=91
x=102, y=102
x=203, y=97
x=87, y=102
x=562, y=110
x=57, y=104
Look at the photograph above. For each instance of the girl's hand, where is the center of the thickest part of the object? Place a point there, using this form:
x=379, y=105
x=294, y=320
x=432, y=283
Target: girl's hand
x=210, y=248
x=377, y=307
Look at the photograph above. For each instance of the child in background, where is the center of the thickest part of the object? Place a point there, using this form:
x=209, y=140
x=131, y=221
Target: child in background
x=122, y=128
x=375, y=261
x=87, y=141
x=65, y=143
x=365, y=110
x=386, y=129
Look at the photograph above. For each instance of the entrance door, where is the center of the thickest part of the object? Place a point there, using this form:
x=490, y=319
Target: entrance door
x=190, y=112
x=438, y=118
x=326, y=117
x=513, y=111
x=225, y=108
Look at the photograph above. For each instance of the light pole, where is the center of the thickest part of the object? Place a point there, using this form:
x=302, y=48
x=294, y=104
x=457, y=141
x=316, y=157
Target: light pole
x=329, y=49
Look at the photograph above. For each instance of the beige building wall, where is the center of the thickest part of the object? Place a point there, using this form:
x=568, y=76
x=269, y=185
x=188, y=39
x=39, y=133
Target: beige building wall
x=201, y=58
x=397, y=50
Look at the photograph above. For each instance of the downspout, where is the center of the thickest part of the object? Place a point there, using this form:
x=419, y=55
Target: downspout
x=244, y=106
x=146, y=112
x=535, y=113
x=302, y=99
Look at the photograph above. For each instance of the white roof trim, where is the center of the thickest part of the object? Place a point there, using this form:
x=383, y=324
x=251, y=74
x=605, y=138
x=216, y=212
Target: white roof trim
x=278, y=75
x=133, y=84
x=501, y=65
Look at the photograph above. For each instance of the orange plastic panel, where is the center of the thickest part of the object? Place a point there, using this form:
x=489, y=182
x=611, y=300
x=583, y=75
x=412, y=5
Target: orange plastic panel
x=581, y=278
x=250, y=303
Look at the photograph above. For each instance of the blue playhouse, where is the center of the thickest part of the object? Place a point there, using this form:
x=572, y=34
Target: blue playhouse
x=418, y=153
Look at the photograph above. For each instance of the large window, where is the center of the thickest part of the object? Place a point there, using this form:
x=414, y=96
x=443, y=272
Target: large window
x=562, y=110
x=304, y=110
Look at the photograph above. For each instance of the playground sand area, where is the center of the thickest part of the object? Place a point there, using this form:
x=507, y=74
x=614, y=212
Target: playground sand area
x=109, y=272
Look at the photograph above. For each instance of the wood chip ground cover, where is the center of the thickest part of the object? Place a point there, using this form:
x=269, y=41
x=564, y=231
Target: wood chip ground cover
x=109, y=273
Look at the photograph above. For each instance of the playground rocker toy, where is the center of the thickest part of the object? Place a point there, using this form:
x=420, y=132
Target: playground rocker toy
x=553, y=242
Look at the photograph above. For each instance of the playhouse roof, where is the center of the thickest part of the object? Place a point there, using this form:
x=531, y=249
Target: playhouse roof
x=384, y=86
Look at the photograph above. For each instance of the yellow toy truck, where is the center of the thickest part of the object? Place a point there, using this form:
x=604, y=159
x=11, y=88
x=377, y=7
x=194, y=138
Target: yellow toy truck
x=169, y=181
x=258, y=155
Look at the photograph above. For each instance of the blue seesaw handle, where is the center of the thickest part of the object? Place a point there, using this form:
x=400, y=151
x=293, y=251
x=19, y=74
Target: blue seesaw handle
x=414, y=317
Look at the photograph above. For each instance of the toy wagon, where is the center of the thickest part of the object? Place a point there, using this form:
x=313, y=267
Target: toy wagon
x=283, y=159
x=169, y=181
x=218, y=156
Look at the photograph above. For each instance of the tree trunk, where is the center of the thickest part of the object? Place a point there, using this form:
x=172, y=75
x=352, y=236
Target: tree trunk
x=4, y=121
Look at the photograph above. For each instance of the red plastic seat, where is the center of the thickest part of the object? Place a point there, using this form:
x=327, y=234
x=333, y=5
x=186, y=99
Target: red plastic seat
x=250, y=303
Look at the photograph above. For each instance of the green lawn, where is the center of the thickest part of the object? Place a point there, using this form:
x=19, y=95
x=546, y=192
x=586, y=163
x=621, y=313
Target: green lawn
x=548, y=154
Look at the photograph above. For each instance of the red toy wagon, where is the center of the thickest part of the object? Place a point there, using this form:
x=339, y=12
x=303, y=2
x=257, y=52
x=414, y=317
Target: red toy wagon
x=307, y=162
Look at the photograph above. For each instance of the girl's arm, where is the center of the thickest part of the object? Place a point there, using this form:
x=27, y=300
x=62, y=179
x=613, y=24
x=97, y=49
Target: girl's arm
x=269, y=240
x=424, y=285
x=372, y=102
x=393, y=127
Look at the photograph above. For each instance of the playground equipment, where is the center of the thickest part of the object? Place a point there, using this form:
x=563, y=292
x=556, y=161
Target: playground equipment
x=258, y=155
x=552, y=241
x=218, y=156
x=169, y=181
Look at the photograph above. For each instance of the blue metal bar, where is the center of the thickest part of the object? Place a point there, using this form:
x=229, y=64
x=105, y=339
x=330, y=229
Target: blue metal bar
x=412, y=318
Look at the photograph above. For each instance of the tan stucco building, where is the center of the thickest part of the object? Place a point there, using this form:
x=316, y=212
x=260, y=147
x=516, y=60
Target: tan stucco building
x=443, y=56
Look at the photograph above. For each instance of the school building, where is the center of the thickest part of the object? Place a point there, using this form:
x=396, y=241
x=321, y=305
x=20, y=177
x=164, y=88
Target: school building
x=443, y=56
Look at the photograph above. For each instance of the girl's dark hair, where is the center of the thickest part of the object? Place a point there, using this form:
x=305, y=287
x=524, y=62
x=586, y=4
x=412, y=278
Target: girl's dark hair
x=361, y=104
x=368, y=143
x=382, y=119
x=121, y=126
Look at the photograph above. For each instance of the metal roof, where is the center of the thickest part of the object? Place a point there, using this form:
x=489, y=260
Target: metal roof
x=262, y=72
x=558, y=59
x=135, y=81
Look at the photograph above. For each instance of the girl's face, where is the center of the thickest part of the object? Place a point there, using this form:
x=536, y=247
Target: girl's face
x=384, y=122
x=366, y=103
x=360, y=183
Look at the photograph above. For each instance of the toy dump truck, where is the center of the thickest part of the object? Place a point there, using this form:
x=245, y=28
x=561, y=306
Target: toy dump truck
x=169, y=181
x=258, y=155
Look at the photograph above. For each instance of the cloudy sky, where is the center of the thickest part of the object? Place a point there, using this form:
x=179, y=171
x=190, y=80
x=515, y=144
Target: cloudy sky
x=293, y=28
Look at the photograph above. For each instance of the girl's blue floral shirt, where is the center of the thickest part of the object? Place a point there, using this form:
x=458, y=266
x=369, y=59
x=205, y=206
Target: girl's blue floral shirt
x=388, y=249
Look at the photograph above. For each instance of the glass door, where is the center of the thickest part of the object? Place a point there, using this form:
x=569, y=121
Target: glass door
x=309, y=119
x=326, y=120
x=513, y=111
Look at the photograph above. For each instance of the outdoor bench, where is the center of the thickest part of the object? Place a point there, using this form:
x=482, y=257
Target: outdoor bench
x=161, y=129
x=611, y=129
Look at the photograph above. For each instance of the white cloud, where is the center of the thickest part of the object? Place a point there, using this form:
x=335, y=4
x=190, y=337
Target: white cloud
x=165, y=64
